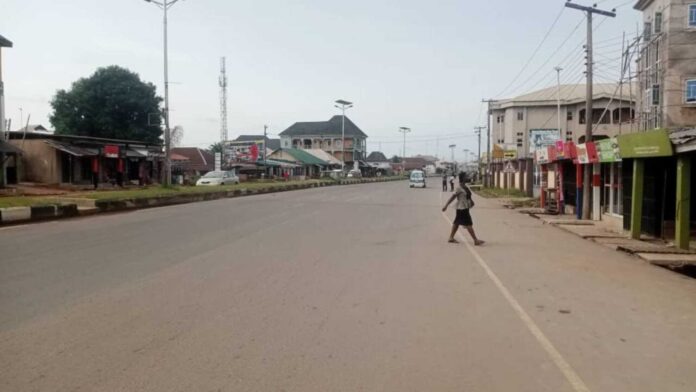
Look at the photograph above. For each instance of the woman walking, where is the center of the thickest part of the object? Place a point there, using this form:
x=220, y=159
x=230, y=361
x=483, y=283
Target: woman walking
x=444, y=182
x=463, y=217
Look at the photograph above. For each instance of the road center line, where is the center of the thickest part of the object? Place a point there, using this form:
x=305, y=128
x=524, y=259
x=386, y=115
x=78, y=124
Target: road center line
x=563, y=365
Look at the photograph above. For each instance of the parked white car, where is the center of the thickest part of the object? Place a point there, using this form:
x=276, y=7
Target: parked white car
x=354, y=174
x=214, y=178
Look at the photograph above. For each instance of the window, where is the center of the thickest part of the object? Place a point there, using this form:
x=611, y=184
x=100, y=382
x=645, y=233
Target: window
x=569, y=117
x=520, y=116
x=497, y=119
x=691, y=91
x=692, y=15
x=656, y=94
x=582, y=116
x=647, y=29
x=658, y=22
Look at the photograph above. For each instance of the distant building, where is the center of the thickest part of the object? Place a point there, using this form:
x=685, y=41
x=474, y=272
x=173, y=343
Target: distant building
x=667, y=64
x=326, y=135
x=522, y=124
x=34, y=128
x=191, y=162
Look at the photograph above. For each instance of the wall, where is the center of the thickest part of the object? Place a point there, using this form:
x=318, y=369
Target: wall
x=40, y=162
x=668, y=59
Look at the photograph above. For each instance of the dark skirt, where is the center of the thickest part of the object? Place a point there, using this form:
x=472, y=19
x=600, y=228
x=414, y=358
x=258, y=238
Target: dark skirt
x=463, y=218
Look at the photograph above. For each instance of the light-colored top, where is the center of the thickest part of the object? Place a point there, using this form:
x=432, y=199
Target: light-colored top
x=463, y=197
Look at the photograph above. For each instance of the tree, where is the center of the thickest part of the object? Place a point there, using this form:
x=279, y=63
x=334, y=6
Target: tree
x=395, y=159
x=112, y=103
x=215, y=147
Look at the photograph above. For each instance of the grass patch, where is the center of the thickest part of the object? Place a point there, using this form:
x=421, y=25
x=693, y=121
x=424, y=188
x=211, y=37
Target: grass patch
x=497, y=193
x=160, y=191
x=23, y=201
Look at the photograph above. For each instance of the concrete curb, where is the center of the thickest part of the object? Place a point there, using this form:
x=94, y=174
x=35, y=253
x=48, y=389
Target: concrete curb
x=37, y=213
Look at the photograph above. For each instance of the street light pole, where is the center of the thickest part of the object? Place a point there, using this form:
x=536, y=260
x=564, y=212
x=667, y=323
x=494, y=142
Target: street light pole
x=165, y=5
x=343, y=106
x=404, y=130
x=454, y=165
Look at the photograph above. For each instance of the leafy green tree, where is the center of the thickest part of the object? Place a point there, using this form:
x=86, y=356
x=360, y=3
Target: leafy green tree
x=215, y=147
x=395, y=159
x=111, y=103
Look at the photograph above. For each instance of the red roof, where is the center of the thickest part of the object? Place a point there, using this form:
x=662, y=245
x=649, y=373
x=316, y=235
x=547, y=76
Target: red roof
x=198, y=158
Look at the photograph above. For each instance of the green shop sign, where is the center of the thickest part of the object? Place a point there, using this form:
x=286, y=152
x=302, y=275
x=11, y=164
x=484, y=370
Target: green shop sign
x=608, y=150
x=645, y=144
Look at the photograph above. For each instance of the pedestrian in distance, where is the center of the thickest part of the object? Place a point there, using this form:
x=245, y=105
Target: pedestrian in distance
x=444, y=182
x=464, y=205
x=452, y=183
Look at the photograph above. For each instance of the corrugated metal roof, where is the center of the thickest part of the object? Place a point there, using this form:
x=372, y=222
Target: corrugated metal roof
x=72, y=150
x=570, y=94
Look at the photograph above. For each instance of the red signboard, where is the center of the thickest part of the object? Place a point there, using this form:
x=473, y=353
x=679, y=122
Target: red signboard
x=111, y=151
x=587, y=153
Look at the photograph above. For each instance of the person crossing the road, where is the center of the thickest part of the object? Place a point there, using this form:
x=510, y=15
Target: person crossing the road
x=444, y=182
x=464, y=205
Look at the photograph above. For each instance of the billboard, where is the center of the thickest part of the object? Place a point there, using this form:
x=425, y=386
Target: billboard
x=243, y=152
x=542, y=138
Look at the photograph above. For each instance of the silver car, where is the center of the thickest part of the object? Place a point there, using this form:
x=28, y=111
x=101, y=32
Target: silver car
x=218, y=178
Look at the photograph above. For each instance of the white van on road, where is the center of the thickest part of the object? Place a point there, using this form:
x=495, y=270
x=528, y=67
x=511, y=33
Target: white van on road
x=417, y=179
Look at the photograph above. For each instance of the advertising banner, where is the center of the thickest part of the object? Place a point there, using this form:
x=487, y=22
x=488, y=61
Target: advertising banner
x=541, y=138
x=587, y=153
x=608, y=150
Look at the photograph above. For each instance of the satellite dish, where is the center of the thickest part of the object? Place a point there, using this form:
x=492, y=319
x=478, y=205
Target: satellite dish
x=177, y=136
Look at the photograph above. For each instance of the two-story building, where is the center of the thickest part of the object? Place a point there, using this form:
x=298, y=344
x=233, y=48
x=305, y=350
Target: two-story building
x=326, y=135
x=522, y=123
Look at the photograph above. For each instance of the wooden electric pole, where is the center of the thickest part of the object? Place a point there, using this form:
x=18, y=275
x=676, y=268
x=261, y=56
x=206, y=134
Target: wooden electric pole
x=587, y=178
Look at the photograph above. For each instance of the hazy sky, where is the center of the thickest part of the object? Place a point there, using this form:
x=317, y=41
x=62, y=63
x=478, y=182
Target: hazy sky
x=422, y=64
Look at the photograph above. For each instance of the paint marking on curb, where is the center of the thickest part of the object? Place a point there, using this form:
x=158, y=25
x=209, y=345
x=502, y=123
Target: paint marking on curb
x=570, y=374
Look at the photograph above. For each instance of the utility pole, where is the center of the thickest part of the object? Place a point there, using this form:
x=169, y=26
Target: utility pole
x=478, y=130
x=558, y=101
x=404, y=130
x=454, y=165
x=488, y=173
x=223, y=101
x=587, y=179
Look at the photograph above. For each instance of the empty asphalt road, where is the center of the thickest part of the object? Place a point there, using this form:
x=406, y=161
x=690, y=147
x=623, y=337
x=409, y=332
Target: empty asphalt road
x=334, y=289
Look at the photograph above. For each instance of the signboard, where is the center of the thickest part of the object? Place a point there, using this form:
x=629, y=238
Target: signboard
x=608, y=150
x=218, y=161
x=510, y=154
x=587, y=153
x=541, y=156
x=541, y=138
x=245, y=151
x=509, y=168
x=645, y=144
x=111, y=151
x=498, y=152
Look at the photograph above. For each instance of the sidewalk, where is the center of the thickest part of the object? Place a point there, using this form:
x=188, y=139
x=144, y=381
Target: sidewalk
x=654, y=251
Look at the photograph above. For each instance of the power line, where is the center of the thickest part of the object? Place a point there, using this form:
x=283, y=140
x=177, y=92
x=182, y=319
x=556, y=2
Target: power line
x=546, y=36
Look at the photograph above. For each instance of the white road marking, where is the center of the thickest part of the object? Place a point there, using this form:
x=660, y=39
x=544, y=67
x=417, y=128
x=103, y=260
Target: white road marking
x=570, y=374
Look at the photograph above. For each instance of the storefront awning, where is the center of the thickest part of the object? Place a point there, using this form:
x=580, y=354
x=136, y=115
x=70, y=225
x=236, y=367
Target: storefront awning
x=73, y=150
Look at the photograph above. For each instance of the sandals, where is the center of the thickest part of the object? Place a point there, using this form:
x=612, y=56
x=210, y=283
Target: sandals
x=453, y=241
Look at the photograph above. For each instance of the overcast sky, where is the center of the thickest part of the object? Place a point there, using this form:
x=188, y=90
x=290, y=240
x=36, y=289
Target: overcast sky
x=421, y=64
